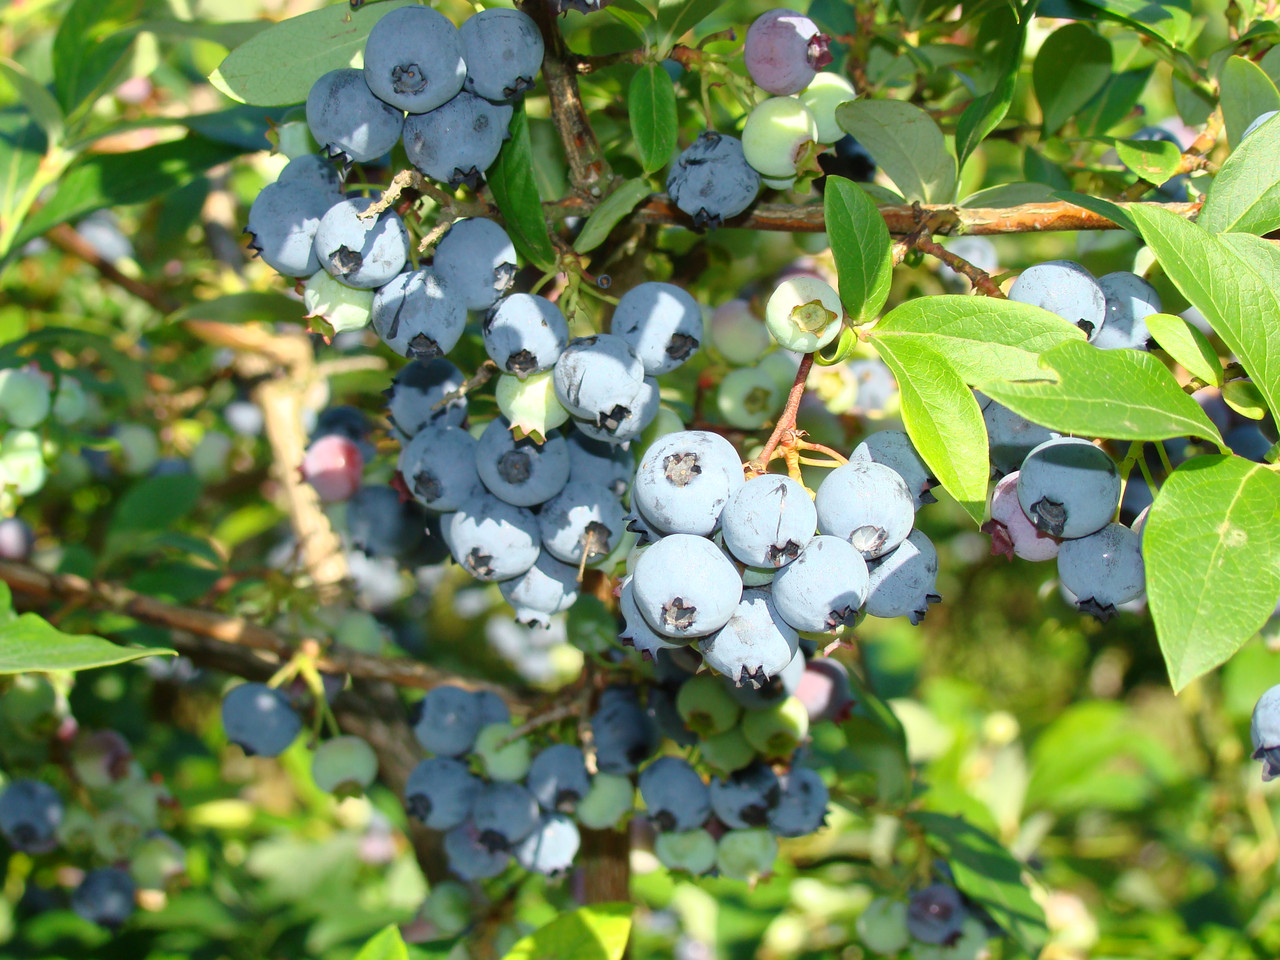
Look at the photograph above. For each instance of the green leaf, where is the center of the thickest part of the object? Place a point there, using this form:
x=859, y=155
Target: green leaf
x=633, y=15
x=984, y=114
x=1187, y=346
x=1212, y=552
x=906, y=144
x=90, y=47
x=155, y=503
x=244, y=308
x=986, y=872
x=942, y=418
x=1103, y=208
x=113, y=179
x=598, y=932
x=651, y=104
x=1072, y=65
x=1193, y=103
x=1245, y=399
x=385, y=945
x=40, y=103
x=1153, y=160
x=22, y=147
x=612, y=209
x=31, y=644
x=1245, y=195
x=1169, y=21
x=861, y=246
x=278, y=66
x=516, y=194
x=1113, y=102
x=983, y=338
x=1233, y=280
x=1122, y=394
x=679, y=19
x=1247, y=92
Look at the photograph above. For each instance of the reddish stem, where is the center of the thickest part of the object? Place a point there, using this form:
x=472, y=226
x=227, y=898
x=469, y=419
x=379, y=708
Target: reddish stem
x=787, y=421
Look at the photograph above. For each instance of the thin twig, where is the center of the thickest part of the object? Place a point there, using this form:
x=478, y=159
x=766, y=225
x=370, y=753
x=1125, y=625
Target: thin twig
x=980, y=279
x=68, y=241
x=786, y=421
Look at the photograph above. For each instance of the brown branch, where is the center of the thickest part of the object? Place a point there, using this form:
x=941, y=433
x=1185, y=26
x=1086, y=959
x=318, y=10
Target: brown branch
x=786, y=420
x=980, y=279
x=274, y=648
x=68, y=241
x=587, y=168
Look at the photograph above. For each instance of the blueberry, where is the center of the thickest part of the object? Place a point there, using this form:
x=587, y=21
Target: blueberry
x=778, y=687
x=30, y=814
x=17, y=539
x=852, y=161
x=777, y=132
x=1010, y=436
x=1254, y=124
x=417, y=316
x=754, y=644
x=636, y=631
x=105, y=897
x=784, y=51
x=415, y=396
x=457, y=142
x=661, y=706
x=1264, y=732
x=492, y=539
x=824, y=588
x=504, y=813
x=347, y=120
x=259, y=719
x=440, y=792
x=661, y=322
x=1012, y=532
x=477, y=260
x=1065, y=288
x=521, y=472
x=867, y=504
x=503, y=49
x=607, y=464
x=746, y=798
x=361, y=253
x=625, y=735
x=599, y=378
x=581, y=517
x=894, y=449
x=1130, y=300
x=711, y=180
x=823, y=96
x=380, y=524
x=638, y=415
x=283, y=221
x=447, y=720
x=1103, y=570
x=471, y=859
x=686, y=587
x=525, y=334
x=935, y=914
x=546, y=588
x=674, y=794
x=558, y=777
x=802, y=804
x=768, y=520
x=684, y=481
x=979, y=251
x=1068, y=487
x=901, y=583
x=492, y=708
x=552, y=846
x=314, y=172
x=345, y=421
x=413, y=59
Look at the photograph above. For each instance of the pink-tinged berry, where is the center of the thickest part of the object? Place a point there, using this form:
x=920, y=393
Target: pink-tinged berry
x=333, y=465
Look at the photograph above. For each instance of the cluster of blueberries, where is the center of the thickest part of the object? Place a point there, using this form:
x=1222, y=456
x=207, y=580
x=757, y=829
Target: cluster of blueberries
x=117, y=816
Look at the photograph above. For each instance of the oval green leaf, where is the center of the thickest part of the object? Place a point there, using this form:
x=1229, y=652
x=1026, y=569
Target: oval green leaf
x=1245, y=195
x=30, y=644
x=651, y=104
x=387, y=944
x=612, y=209
x=942, y=418
x=1187, y=346
x=1212, y=551
x=516, y=193
x=598, y=932
x=861, y=246
x=1121, y=394
x=1245, y=399
x=907, y=145
x=1072, y=65
x=278, y=66
x=1153, y=160
x=1247, y=92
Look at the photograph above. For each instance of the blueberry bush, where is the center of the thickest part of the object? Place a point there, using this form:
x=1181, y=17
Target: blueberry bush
x=658, y=478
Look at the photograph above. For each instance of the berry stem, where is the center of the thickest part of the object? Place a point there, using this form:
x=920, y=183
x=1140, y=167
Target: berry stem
x=981, y=280
x=786, y=421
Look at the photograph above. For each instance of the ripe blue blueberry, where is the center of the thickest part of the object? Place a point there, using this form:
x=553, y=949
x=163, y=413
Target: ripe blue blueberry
x=446, y=721
x=802, y=804
x=30, y=814
x=684, y=481
x=413, y=59
x=417, y=315
x=894, y=449
x=607, y=464
x=492, y=539
x=457, y=142
x=525, y=334
x=477, y=260
x=503, y=49
x=636, y=631
x=259, y=719
x=755, y=643
x=439, y=467
x=105, y=897
x=599, y=379
x=380, y=524
x=1068, y=487
x=768, y=520
x=674, y=794
x=558, y=777
x=746, y=798
x=1103, y=570
x=363, y=253
x=521, y=472
x=641, y=412
x=824, y=588
x=348, y=121
x=1010, y=436
x=551, y=847
x=1264, y=731
x=283, y=222
x=935, y=914
x=902, y=583
x=625, y=735
x=661, y=322
x=471, y=859
x=546, y=588
x=440, y=792
x=415, y=396
x=868, y=504
x=1130, y=300
x=711, y=180
x=1065, y=288
x=504, y=813
x=686, y=587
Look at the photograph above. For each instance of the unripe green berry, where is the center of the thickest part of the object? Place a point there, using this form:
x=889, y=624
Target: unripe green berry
x=728, y=751
x=826, y=92
x=610, y=798
x=530, y=404
x=343, y=308
x=509, y=762
x=775, y=135
x=139, y=448
x=75, y=832
x=706, y=706
x=70, y=404
x=158, y=859
x=293, y=139
x=738, y=334
x=115, y=834
x=25, y=397
x=344, y=766
x=804, y=314
x=776, y=731
x=209, y=457
x=22, y=454
x=30, y=707
x=883, y=926
x=448, y=906
x=778, y=183
x=693, y=851
x=749, y=397
x=747, y=854
x=782, y=366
